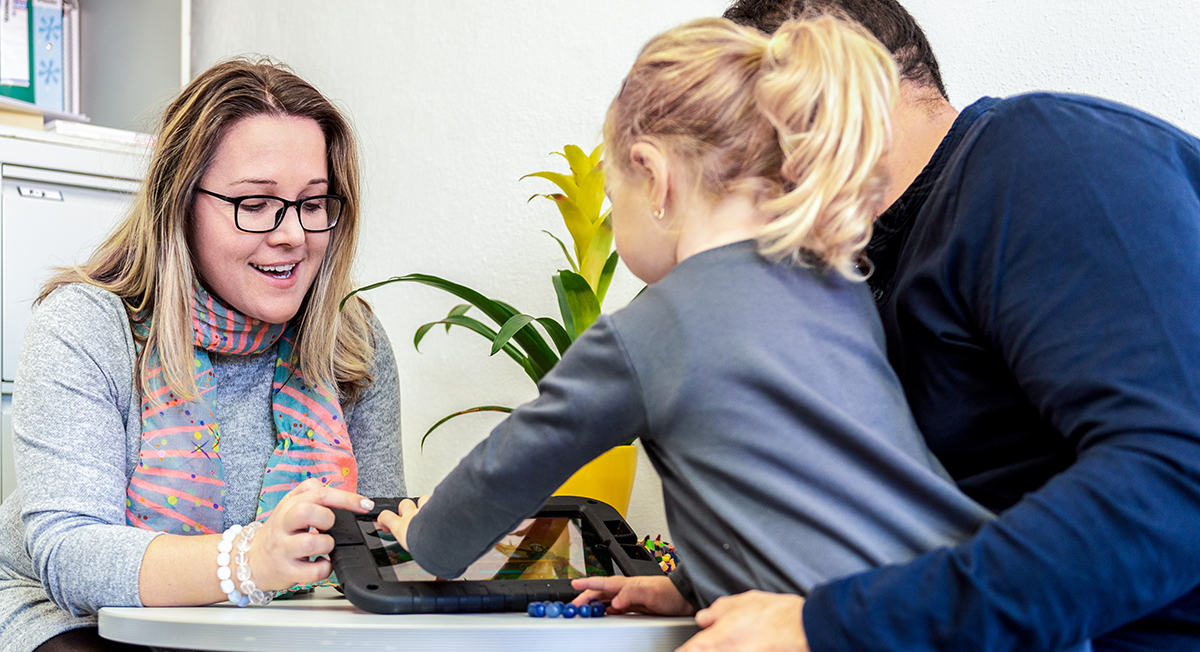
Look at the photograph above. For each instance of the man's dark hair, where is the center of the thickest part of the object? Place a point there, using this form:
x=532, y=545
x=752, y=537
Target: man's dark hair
x=886, y=19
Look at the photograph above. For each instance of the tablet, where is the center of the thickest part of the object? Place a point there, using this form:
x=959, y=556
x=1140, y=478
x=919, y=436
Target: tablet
x=568, y=538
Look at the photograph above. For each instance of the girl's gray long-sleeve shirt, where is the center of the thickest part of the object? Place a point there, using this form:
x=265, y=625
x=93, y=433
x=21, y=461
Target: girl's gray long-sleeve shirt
x=763, y=396
x=65, y=550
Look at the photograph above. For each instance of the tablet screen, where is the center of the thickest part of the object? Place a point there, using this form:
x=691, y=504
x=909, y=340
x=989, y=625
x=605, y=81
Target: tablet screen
x=543, y=548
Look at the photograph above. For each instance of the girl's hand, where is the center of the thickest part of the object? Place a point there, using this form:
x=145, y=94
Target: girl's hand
x=397, y=524
x=647, y=595
x=279, y=556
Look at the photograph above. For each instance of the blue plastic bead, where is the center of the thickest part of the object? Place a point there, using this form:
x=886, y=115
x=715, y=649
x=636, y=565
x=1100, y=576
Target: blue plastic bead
x=569, y=611
x=536, y=609
x=598, y=609
x=553, y=609
x=583, y=611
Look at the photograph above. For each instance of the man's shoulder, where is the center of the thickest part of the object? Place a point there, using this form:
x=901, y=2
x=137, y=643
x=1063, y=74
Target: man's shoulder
x=1055, y=146
x=1032, y=120
x=1041, y=163
x=1015, y=104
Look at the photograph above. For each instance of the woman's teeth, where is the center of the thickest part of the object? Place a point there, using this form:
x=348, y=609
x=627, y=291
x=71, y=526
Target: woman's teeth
x=275, y=271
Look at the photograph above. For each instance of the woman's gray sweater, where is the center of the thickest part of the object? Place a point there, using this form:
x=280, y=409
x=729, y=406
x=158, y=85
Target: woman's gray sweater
x=65, y=550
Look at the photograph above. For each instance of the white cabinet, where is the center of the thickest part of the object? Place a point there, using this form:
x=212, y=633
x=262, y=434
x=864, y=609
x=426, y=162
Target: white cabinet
x=59, y=197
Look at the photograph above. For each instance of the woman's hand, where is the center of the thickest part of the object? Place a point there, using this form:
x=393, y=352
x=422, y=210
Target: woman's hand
x=397, y=524
x=647, y=595
x=280, y=554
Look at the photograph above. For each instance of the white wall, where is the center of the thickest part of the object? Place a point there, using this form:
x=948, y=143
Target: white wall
x=120, y=36
x=453, y=102
x=1146, y=54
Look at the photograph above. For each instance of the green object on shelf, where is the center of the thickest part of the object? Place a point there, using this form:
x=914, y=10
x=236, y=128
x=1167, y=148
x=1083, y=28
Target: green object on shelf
x=10, y=10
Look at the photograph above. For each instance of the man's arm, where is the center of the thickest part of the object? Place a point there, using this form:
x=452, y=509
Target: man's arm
x=1073, y=253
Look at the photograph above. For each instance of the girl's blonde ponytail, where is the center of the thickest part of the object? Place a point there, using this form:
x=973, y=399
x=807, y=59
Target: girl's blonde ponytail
x=801, y=121
x=828, y=87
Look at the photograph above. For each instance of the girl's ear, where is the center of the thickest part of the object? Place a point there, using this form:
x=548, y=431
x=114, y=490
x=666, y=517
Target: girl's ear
x=652, y=162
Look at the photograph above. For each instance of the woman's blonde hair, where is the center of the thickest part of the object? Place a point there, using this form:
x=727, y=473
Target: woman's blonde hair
x=802, y=119
x=147, y=260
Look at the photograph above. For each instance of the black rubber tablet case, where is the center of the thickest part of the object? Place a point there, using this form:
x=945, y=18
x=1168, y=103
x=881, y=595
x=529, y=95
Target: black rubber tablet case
x=368, y=590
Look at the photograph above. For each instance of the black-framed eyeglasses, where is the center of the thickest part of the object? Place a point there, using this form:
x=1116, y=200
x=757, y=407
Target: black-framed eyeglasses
x=264, y=213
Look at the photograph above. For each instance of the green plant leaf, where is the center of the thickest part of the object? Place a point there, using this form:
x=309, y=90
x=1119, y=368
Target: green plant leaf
x=540, y=356
x=460, y=309
x=564, y=307
x=565, y=183
x=481, y=408
x=566, y=253
x=479, y=327
x=509, y=308
x=342, y=303
x=422, y=331
x=509, y=329
x=591, y=265
x=606, y=277
x=561, y=338
x=581, y=299
x=579, y=162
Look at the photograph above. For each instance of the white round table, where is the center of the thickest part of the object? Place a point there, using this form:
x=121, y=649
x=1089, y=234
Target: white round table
x=326, y=620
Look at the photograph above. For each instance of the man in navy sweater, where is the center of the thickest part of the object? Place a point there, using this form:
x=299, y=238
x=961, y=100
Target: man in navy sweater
x=1038, y=276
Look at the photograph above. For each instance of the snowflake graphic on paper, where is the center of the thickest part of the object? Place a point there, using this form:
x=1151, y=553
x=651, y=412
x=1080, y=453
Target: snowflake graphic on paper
x=50, y=28
x=50, y=72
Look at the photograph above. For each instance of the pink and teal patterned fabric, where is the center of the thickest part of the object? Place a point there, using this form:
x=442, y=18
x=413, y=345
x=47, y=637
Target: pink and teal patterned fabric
x=179, y=484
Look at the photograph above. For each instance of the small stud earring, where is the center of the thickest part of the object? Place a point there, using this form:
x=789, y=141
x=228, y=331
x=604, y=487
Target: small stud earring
x=659, y=213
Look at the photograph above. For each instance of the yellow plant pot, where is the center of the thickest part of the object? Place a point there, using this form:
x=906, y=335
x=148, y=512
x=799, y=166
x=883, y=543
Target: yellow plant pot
x=608, y=478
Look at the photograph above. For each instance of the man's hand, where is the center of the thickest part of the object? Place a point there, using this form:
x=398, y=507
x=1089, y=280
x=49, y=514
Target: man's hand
x=751, y=622
x=397, y=524
x=647, y=595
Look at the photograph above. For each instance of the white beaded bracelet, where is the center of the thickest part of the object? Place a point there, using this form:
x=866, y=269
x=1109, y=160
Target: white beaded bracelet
x=235, y=548
x=224, y=574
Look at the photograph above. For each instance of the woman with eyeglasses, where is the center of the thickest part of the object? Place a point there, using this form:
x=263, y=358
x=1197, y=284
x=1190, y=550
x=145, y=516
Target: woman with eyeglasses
x=191, y=401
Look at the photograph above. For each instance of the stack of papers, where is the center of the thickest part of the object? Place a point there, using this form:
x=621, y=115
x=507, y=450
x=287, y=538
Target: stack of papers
x=106, y=134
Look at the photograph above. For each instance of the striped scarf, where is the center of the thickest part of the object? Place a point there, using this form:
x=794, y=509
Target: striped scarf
x=179, y=483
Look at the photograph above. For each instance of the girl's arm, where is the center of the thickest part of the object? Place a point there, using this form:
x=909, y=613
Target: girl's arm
x=590, y=402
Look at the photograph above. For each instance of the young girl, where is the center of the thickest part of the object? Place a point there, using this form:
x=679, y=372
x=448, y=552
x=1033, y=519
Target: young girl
x=744, y=175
